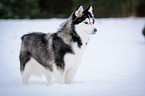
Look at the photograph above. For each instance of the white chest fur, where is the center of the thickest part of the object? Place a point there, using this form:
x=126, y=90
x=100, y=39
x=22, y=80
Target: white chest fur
x=73, y=60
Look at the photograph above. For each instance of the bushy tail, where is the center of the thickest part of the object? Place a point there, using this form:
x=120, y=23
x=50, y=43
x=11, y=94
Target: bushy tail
x=24, y=56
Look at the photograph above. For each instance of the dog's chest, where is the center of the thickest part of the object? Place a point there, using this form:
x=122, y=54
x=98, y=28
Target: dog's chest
x=73, y=60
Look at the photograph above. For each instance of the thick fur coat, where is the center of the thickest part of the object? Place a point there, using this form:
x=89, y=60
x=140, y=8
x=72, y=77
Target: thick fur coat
x=57, y=53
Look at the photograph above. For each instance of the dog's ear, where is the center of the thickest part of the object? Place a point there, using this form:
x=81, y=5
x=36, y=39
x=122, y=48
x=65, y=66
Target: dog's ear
x=90, y=9
x=79, y=11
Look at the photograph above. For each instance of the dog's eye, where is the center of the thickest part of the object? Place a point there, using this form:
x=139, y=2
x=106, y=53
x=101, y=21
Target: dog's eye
x=86, y=22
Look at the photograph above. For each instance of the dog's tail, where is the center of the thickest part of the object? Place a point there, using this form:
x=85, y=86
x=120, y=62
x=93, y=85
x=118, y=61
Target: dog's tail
x=24, y=55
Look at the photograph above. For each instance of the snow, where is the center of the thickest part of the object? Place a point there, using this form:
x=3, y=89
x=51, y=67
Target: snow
x=113, y=63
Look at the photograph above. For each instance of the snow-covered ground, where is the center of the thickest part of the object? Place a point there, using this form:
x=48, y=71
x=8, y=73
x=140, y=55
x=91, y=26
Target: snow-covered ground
x=113, y=63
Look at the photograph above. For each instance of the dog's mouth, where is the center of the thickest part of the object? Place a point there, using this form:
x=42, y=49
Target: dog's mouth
x=94, y=32
x=90, y=33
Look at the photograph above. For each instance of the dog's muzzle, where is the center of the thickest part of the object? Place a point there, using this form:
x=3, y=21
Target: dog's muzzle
x=95, y=30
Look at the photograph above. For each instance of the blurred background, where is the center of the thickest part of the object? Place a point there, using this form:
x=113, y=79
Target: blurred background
x=39, y=9
x=114, y=60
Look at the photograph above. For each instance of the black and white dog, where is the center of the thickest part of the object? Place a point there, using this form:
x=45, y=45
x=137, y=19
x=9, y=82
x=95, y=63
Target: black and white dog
x=59, y=53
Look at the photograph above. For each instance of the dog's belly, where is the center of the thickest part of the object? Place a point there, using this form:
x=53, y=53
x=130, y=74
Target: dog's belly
x=74, y=60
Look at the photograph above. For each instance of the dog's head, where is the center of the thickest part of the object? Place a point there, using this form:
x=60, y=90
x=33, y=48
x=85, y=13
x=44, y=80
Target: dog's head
x=83, y=20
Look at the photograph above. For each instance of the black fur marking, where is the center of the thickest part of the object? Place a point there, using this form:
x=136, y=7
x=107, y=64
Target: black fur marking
x=60, y=49
x=76, y=38
x=78, y=20
x=36, y=45
x=36, y=36
x=86, y=14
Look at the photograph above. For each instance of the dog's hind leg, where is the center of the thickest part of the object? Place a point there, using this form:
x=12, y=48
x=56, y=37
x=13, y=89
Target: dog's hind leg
x=27, y=72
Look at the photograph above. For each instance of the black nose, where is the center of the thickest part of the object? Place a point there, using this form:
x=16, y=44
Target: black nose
x=95, y=30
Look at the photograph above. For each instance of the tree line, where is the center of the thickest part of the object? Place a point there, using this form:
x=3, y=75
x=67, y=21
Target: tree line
x=32, y=9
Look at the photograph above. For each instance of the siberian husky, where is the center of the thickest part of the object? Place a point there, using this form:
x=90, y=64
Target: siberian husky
x=57, y=53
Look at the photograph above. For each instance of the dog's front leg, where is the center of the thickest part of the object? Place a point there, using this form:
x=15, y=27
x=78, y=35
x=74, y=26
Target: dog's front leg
x=70, y=75
x=59, y=75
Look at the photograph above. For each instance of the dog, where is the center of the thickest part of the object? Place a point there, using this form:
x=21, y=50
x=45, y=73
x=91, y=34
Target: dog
x=57, y=54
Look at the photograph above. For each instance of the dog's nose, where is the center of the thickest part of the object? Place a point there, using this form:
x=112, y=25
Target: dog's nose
x=95, y=30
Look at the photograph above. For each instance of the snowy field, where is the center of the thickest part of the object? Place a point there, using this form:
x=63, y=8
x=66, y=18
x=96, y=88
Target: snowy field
x=113, y=63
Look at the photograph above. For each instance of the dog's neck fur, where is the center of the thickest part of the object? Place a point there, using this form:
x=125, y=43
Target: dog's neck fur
x=68, y=32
